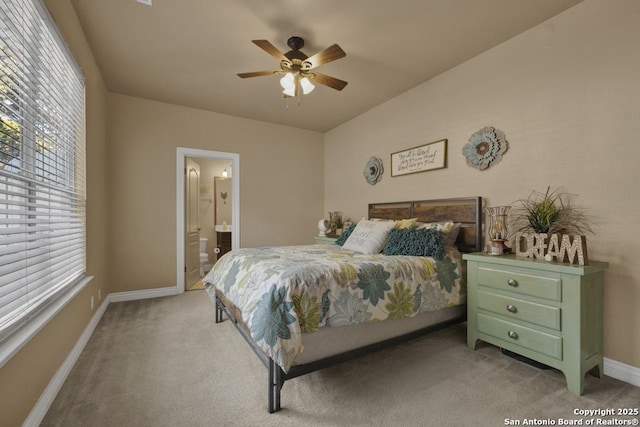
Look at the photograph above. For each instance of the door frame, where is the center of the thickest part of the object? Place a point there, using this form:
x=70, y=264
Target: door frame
x=181, y=154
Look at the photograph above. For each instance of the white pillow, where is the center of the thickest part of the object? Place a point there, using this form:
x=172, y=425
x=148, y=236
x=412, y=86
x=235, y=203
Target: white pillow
x=448, y=228
x=369, y=237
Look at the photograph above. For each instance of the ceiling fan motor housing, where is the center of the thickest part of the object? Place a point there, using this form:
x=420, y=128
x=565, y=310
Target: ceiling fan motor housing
x=295, y=42
x=295, y=55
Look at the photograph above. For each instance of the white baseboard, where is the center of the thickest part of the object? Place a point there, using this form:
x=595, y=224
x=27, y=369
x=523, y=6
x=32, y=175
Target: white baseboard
x=41, y=407
x=621, y=371
x=51, y=391
x=145, y=294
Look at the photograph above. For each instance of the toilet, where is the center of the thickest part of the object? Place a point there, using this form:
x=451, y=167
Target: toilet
x=204, y=258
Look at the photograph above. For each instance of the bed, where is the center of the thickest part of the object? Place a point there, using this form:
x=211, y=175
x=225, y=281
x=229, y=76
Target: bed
x=303, y=308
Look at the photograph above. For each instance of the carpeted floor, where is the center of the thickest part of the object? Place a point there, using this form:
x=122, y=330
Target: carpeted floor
x=164, y=362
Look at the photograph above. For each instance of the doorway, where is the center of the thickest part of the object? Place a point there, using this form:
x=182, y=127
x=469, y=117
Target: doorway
x=193, y=223
x=183, y=210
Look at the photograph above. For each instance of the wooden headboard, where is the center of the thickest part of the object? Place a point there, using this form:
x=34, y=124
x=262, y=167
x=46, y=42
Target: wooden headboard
x=465, y=210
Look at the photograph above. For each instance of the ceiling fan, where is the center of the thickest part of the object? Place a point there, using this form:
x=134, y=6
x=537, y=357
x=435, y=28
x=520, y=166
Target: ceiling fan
x=298, y=68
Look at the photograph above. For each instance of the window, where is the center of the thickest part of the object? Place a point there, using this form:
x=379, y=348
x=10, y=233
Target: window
x=42, y=165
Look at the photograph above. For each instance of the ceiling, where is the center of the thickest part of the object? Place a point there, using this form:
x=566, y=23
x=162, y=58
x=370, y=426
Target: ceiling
x=188, y=52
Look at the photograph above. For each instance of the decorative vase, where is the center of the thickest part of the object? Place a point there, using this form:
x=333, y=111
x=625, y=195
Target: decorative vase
x=335, y=220
x=323, y=227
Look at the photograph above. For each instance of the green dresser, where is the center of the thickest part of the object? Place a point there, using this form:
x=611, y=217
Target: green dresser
x=547, y=311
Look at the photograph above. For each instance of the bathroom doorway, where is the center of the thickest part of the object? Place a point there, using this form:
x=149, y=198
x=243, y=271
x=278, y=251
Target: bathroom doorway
x=196, y=210
x=192, y=223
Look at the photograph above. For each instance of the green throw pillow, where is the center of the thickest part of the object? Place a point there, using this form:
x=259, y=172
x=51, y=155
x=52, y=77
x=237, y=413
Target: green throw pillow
x=345, y=235
x=415, y=242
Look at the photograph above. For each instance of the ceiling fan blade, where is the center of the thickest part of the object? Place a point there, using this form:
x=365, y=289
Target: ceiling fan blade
x=332, y=82
x=257, y=74
x=270, y=49
x=325, y=56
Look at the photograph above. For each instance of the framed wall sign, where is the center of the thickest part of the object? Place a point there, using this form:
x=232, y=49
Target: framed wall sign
x=420, y=159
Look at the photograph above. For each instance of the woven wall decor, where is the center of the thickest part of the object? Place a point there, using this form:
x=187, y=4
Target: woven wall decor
x=485, y=148
x=373, y=170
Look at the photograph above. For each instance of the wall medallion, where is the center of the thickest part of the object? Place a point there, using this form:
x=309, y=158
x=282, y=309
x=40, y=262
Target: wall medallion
x=373, y=170
x=485, y=148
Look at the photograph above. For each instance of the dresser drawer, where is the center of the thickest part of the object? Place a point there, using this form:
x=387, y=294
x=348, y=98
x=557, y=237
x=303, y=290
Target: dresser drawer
x=508, y=332
x=526, y=311
x=523, y=281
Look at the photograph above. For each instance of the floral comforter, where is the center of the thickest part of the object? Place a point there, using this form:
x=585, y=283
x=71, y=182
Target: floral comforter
x=286, y=291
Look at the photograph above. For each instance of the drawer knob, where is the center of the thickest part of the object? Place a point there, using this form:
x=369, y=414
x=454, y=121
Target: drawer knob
x=512, y=308
x=513, y=335
x=512, y=282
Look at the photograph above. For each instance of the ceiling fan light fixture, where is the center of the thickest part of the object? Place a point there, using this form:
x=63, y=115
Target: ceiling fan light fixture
x=307, y=86
x=288, y=82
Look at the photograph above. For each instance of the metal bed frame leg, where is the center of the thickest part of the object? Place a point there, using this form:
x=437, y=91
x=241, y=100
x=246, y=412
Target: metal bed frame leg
x=219, y=310
x=277, y=376
x=275, y=385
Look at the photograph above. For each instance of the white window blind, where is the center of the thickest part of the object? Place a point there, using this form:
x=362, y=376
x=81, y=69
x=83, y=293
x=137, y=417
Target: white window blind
x=42, y=169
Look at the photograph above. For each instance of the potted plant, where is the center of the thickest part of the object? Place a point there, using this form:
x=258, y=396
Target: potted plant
x=549, y=212
x=339, y=225
x=335, y=222
x=547, y=226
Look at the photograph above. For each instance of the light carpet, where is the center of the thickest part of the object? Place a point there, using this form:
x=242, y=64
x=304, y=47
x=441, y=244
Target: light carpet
x=146, y=365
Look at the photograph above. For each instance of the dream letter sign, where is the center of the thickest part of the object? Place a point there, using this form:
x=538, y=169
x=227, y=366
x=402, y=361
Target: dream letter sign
x=562, y=247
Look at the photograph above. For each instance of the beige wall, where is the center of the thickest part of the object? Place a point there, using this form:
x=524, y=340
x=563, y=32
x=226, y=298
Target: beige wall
x=566, y=95
x=24, y=377
x=281, y=187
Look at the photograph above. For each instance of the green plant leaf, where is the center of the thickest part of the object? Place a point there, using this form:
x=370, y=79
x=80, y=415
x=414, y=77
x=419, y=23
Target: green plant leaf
x=549, y=212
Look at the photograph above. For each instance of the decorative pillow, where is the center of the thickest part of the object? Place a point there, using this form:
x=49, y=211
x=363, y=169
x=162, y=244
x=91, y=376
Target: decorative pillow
x=415, y=242
x=369, y=237
x=452, y=235
x=345, y=235
x=406, y=223
x=443, y=226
